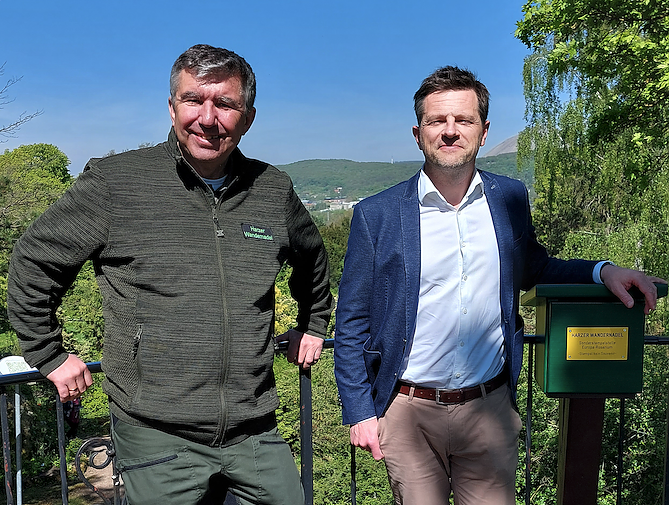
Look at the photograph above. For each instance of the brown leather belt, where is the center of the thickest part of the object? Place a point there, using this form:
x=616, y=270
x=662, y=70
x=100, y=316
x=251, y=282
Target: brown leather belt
x=452, y=396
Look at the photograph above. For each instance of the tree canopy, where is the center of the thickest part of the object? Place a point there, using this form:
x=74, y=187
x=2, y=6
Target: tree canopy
x=32, y=177
x=597, y=89
x=614, y=52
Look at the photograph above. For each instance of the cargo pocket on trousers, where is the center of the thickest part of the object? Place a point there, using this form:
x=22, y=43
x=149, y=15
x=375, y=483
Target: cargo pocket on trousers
x=159, y=478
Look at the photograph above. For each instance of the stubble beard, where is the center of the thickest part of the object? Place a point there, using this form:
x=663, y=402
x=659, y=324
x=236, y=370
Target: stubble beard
x=453, y=167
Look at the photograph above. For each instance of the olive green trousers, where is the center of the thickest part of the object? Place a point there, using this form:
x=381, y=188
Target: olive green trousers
x=163, y=469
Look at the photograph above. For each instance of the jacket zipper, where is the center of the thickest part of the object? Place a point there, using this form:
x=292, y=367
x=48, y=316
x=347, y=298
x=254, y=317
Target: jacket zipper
x=225, y=342
x=215, y=205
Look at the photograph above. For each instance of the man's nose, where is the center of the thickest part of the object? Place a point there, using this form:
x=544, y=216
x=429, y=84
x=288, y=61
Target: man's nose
x=207, y=114
x=450, y=129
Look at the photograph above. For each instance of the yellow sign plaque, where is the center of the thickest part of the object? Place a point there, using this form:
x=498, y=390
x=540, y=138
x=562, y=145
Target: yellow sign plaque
x=597, y=343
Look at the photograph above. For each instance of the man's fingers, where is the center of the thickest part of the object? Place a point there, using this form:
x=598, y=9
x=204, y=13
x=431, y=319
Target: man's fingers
x=365, y=436
x=624, y=296
x=303, y=349
x=71, y=378
x=619, y=280
x=310, y=349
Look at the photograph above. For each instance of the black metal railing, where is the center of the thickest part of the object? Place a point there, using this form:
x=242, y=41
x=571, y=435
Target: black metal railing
x=102, y=446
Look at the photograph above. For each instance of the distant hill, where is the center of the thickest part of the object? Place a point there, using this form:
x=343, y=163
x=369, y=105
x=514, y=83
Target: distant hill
x=510, y=145
x=320, y=179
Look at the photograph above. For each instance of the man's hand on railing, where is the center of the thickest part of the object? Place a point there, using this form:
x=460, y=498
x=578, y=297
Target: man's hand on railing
x=303, y=349
x=620, y=280
x=366, y=436
x=71, y=378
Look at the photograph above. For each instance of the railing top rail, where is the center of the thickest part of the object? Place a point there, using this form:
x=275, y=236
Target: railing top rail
x=282, y=347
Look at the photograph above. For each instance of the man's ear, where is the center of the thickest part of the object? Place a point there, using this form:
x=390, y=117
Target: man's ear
x=250, y=116
x=486, y=127
x=416, y=135
x=172, y=112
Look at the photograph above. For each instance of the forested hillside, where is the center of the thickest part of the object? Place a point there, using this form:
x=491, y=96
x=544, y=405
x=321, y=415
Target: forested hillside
x=319, y=179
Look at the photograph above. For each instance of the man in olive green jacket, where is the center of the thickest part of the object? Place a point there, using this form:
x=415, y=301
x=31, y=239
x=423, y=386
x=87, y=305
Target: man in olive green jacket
x=187, y=238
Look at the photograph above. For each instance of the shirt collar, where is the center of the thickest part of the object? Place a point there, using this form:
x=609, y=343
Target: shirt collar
x=429, y=195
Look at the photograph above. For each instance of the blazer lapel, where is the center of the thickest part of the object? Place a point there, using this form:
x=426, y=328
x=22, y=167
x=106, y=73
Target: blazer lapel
x=410, y=236
x=504, y=233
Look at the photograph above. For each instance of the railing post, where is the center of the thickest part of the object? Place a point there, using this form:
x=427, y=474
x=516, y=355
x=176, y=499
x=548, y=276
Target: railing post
x=621, y=447
x=665, y=498
x=6, y=446
x=18, y=444
x=306, y=436
x=528, y=424
x=61, y=450
x=353, y=483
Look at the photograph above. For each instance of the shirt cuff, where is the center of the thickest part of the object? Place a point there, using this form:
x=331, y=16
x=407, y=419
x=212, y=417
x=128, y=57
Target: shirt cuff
x=598, y=268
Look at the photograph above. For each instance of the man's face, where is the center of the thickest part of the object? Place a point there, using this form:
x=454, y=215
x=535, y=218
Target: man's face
x=451, y=131
x=209, y=117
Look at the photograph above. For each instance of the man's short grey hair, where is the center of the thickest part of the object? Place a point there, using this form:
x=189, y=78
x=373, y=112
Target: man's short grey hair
x=451, y=79
x=204, y=61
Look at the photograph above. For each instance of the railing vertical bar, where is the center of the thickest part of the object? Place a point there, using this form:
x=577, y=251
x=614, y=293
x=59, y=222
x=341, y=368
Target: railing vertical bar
x=306, y=436
x=528, y=424
x=18, y=444
x=353, y=470
x=61, y=450
x=6, y=446
x=621, y=442
x=665, y=498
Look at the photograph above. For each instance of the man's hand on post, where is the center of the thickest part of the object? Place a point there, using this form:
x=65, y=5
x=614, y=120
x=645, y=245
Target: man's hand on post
x=366, y=436
x=620, y=280
x=71, y=378
x=303, y=349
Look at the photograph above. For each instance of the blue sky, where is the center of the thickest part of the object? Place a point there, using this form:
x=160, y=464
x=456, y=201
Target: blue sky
x=335, y=79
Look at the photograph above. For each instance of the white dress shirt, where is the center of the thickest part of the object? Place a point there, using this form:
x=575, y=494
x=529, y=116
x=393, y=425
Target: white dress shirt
x=458, y=339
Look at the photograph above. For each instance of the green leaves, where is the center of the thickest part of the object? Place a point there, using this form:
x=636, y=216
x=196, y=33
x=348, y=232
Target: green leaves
x=31, y=178
x=619, y=46
x=596, y=89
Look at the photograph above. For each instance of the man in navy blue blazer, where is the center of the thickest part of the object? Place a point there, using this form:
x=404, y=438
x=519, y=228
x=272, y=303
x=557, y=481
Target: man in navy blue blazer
x=428, y=343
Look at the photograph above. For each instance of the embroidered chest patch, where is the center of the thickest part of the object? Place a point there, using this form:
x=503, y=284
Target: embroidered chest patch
x=257, y=232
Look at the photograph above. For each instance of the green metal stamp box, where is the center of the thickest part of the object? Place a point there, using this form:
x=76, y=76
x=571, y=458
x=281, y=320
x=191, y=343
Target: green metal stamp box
x=588, y=342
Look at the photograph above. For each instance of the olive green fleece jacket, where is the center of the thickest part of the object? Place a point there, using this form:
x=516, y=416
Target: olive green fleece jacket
x=187, y=282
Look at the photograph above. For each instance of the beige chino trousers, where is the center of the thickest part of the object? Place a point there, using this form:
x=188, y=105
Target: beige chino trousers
x=470, y=449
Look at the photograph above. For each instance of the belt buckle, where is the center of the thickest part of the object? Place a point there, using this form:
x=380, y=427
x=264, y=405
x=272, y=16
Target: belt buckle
x=437, y=397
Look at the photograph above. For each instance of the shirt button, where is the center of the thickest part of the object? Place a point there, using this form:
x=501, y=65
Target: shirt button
x=457, y=375
x=462, y=344
x=464, y=310
x=464, y=277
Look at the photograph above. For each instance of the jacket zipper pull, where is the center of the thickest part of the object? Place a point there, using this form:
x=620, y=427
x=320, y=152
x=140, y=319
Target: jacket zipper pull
x=219, y=231
x=136, y=340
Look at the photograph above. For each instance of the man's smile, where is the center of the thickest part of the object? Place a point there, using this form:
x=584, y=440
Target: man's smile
x=209, y=137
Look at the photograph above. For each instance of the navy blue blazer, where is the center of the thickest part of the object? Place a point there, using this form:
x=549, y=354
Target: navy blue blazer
x=378, y=292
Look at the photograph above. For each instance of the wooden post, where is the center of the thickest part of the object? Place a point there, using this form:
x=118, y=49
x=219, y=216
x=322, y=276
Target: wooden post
x=579, y=451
